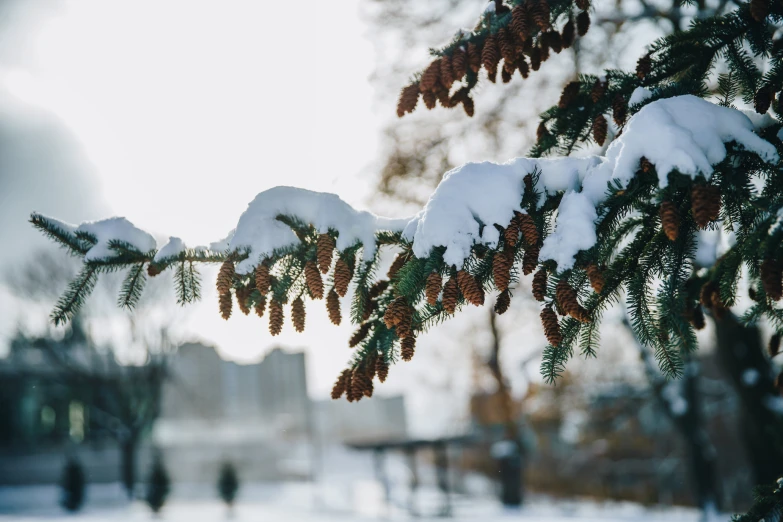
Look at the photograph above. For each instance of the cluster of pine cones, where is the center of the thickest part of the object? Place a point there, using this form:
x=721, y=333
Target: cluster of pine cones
x=513, y=43
x=705, y=206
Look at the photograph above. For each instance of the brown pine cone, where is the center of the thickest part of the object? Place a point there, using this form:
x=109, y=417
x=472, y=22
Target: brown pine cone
x=763, y=99
x=503, y=302
x=361, y=385
x=541, y=132
x=705, y=204
x=339, y=386
x=350, y=394
x=370, y=364
x=599, y=89
x=643, y=66
x=275, y=317
x=378, y=288
x=505, y=76
x=474, y=57
x=262, y=278
x=324, y=250
x=645, y=165
x=584, y=5
x=529, y=230
x=507, y=48
x=342, y=277
x=397, y=264
x=696, y=317
x=501, y=269
x=459, y=64
x=298, y=314
x=404, y=327
x=333, y=307
x=530, y=259
x=359, y=335
x=432, y=288
x=524, y=68
x=569, y=34
x=446, y=72
x=395, y=312
x=570, y=92
x=430, y=77
x=511, y=232
x=772, y=279
x=670, y=220
x=225, y=277
x=544, y=46
x=759, y=10
x=473, y=293
x=596, y=277
x=470, y=109
x=260, y=306
x=450, y=295
x=566, y=298
x=407, y=348
x=371, y=306
x=520, y=21
x=600, y=128
x=774, y=345
x=619, y=110
x=535, y=58
x=430, y=100
x=551, y=326
x=409, y=96
x=243, y=295
x=539, y=284
x=313, y=279
x=555, y=42
x=225, y=301
x=582, y=23
x=490, y=55
x=540, y=13
x=153, y=270
x=528, y=181
x=706, y=293
x=381, y=368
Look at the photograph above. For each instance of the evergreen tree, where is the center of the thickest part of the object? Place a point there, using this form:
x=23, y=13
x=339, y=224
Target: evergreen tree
x=228, y=483
x=158, y=485
x=73, y=485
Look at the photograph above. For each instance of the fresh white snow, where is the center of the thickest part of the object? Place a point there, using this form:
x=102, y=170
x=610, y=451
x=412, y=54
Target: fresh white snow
x=639, y=95
x=173, y=248
x=107, y=230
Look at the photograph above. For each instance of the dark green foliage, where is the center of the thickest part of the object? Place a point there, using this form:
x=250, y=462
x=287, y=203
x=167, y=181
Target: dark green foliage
x=228, y=483
x=158, y=485
x=768, y=504
x=72, y=485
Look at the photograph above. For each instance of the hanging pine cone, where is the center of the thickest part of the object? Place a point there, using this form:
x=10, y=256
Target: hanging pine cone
x=569, y=34
x=275, y=317
x=539, y=284
x=262, y=278
x=503, y=302
x=313, y=279
x=361, y=385
x=763, y=99
x=645, y=165
x=570, y=92
x=520, y=21
x=528, y=181
x=467, y=104
x=543, y=45
x=450, y=295
x=696, y=317
x=339, y=386
x=409, y=96
x=298, y=314
x=772, y=279
x=584, y=5
x=582, y=23
x=381, y=368
x=430, y=100
x=505, y=76
x=333, y=307
x=446, y=71
x=260, y=306
x=396, y=265
x=643, y=66
x=378, y=288
x=566, y=298
x=225, y=301
x=524, y=68
x=541, y=132
x=705, y=204
x=774, y=345
x=342, y=277
x=670, y=220
x=395, y=312
x=596, y=277
x=530, y=259
x=324, y=249
x=369, y=364
x=528, y=227
x=759, y=10
x=474, y=57
x=404, y=327
x=432, y=288
x=490, y=56
x=359, y=335
x=459, y=64
x=540, y=13
x=501, y=269
x=153, y=270
x=473, y=293
x=555, y=42
x=511, y=232
x=598, y=91
x=507, y=48
x=551, y=326
x=535, y=58
x=407, y=348
x=225, y=277
x=369, y=308
x=600, y=128
x=430, y=77
x=706, y=293
x=243, y=295
x=619, y=110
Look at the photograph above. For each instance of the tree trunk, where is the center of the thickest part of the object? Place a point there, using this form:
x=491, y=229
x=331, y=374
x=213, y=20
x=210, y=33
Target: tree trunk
x=129, y=449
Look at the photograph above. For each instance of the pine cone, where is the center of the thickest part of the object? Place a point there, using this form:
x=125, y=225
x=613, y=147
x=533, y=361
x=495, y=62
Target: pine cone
x=262, y=278
x=430, y=77
x=459, y=64
x=473, y=293
x=706, y=294
x=339, y=386
x=394, y=312
x=539, y=284
x=599, y=89
x=225, y=301
x=596, y=277
x=566, y=298
x=551, y=326
x=705, y=204
x=381, y=368
x=501, y=269
x=670, y=220
x=543, y=45
x=520, y=21
x=260, y=306
x=298, y=314
x=361, y=385
x=570, y=92
x=541, y=132
x=371, y=306
x=490, y=55
x=342, y=277
x=528, y=227
x=505, y=76
x=153, y=270
x=503, y=302
x=404, y=326
x=584, y=5
x=474, y=57
x=225, y=277
x=540, y=14
x=528, y=181
x=535, y=58
x=772, y=279
x=470, y=109
x=600, y=128
x=407, y=347
x=524, y=68
x=555, y=42
x=582, y=23
x=243, y=295
x=759, y=10
x=696, y=317
x=409, y=96
x=643, y=66
x=530, y=259
x=569, y=34
x=511, y=232
x=619, y=110
x=774, y=344
x=378, y=288
x=333, y=307
x=442, y=95
x=450, y=295
x=359, y=335
x=313, y=279
x=432, y=288
x=763, y=99
x=507, y=48
x=446, y=71
x=324, y=250
x=396, y=265
x=275, y=317
x=430, y=100
x=645, y=165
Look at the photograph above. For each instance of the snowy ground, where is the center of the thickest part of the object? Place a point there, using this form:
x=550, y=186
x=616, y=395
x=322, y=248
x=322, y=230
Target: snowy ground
x=307, y=503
